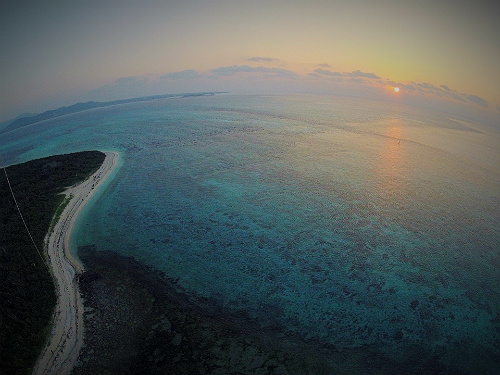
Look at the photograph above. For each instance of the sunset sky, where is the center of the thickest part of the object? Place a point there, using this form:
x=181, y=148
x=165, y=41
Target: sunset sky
x=58, y=53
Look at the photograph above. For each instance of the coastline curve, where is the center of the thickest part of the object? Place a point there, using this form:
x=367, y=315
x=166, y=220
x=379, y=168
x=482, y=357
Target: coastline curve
x=66, y=338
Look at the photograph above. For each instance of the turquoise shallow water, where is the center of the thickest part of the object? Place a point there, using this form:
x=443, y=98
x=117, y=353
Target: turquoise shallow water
x=350, y=222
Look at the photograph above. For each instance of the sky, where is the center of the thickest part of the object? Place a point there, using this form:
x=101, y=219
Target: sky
x=56, y=53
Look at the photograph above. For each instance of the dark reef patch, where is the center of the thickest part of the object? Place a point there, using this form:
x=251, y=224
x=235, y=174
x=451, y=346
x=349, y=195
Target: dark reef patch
x=138, y=321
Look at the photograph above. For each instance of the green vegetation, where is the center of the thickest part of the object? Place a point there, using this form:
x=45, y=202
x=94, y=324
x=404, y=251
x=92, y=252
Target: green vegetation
x=27, y=292
x=59, y=211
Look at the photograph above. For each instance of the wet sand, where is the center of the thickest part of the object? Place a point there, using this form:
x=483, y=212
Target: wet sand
x=66, y=338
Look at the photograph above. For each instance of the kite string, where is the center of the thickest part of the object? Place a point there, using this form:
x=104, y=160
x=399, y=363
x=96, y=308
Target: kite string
x=19, y=210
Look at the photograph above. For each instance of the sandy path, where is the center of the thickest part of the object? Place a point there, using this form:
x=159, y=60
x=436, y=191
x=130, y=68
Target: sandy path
x=66, y=338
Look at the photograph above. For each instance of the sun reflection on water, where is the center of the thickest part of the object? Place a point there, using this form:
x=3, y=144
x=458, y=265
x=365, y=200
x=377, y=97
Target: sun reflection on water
x=392, y=171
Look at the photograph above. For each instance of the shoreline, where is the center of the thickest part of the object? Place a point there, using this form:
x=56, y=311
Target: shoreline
x=66, y=338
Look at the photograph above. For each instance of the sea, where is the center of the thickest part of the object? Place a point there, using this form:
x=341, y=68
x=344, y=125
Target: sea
x=354, y=223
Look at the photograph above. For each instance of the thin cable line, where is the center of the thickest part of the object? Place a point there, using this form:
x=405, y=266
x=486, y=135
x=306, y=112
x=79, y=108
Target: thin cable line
x=19, y=210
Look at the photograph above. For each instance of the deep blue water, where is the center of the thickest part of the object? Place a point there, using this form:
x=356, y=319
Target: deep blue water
x=351, y=222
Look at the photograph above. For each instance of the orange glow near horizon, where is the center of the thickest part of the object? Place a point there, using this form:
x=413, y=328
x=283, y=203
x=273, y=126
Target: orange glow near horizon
x=392, y=171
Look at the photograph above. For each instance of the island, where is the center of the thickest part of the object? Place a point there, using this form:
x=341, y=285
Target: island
x=79, y=107
x=34, y=212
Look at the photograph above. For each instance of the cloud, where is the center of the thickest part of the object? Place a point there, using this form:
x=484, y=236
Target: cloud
x=498, y=108
x=427, y=86
x=244, y=78
x=327, y=72
x=183, y=74
x=406, y=87
x=418, y=92
x=354, y=74
x=123, y=80
x=358, y=73
x=440, y=91
x=356, y=80
x=403, y=86
x=444, y=91
x=454, y=95
x=324, y=65
x=260, y=59
x=477, y=100
x=236, y=69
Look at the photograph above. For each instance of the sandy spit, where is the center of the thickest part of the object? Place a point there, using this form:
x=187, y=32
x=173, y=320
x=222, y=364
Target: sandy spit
x=66, y=338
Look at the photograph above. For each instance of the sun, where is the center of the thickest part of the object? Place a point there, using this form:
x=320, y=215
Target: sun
x=396, y=89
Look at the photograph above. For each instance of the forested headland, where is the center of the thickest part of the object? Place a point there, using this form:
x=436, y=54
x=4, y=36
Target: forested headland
x=27, y=291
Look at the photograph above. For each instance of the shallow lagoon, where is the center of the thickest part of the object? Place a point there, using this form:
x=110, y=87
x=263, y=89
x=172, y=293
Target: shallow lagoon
x=351, y=223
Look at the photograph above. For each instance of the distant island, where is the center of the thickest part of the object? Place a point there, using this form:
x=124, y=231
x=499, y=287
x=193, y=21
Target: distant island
x=79, y=107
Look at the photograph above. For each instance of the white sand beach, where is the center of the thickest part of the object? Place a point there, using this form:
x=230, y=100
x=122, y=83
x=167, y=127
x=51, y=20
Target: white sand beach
x=66, y=338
